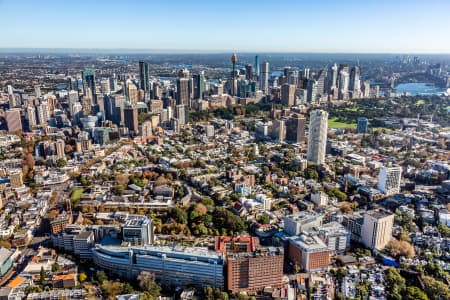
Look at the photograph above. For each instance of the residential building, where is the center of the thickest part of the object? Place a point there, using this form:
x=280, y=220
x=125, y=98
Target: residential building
x=317, y=139
x=376, y=230
x=389, y=180
x=251, y=272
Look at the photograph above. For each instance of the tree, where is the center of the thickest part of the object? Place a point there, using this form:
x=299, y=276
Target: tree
x=61, y=163
x=127, y=288
x=101, y=276
x=444, y=230
x=400, y=248
x=263, y=219
x=82, y=277
x=394, y=283
x=148, y=284
x=111, y=288
x=225, y=219
x=42, y=276
x=435, y=289
x=414, y=293
x=55, y=267
x=179, y=215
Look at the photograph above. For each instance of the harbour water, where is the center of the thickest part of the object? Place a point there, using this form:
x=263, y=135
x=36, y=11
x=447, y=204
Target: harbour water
x=419, y=88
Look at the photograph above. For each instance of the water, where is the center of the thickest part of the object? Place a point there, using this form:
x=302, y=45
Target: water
x=419, y=88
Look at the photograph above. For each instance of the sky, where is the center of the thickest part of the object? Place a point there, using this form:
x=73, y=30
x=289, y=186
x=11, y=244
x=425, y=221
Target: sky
x=363, y=26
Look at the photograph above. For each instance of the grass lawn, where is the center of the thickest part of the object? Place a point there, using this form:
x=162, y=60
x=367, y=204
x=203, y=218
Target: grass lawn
x=76, y=193
x=333, y=123
x=420, y=102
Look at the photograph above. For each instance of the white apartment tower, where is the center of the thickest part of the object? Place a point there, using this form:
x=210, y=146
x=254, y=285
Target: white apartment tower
x=317, y=139
x=389, y=180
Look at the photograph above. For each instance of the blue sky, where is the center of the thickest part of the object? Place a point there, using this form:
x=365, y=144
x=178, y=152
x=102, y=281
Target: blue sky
x=413, y=26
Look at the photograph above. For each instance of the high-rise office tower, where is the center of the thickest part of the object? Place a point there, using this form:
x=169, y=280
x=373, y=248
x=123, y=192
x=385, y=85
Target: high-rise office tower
x=257, y=67
x=366, y=89
x=59, y=145
x=306, y=73
x=76, y=112
x=278, y=130
x=182, y=91
x=12, y=101
x=37, y=90
x=249, y=72
x=264, y=77
x=144, y=75
x=317, y=139
x=344, y=80
x=132, y=93
x=295, y=129
x=88, y=77
x=31, y=116
x=131, y=119
x=105, y=86
x=182, y=112
x=113, y=84
x=311, y=87
x=146, y=129
x=355, y=82
x=10, y=90
x=389, y=180
x=332, y=78
x=43, y=113
x=321, y=83
x=13, y=120
x=288, y=94
x=376, y=230
x=199, y=85
x=362, y=125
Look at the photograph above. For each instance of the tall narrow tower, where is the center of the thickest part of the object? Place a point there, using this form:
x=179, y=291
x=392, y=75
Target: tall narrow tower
x=317, y=139
x=233, y=74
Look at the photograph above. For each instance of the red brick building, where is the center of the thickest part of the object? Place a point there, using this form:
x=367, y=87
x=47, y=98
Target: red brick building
x=253, y=271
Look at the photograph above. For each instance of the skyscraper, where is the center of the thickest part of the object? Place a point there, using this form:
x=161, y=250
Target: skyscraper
x=389, y=180
x=182, y=91
x=257, y=67
x=317, y=139
x=362, y=125
x=288, y=94
x=31, y=116
x=144, y=77
x=295, y=129
x=132, y=92
x=376, y=230
x=355, y=82
x=199, y=85
x=59, y=145
x=13, y=120
x=131, y=119
x=182, y=114
x=249, y=72
x=88, y=77
x=264, y=77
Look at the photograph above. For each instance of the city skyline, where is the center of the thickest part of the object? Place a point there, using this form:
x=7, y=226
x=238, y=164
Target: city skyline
x=294, y=27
